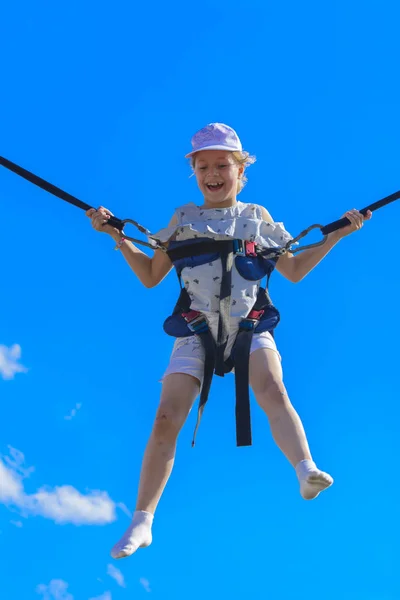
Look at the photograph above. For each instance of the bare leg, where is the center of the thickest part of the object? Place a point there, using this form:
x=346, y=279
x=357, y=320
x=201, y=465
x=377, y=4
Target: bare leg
x=178, y=395
x=270, y=392
x=286, y=427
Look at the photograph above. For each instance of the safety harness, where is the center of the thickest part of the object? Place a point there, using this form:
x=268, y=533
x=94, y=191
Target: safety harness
x=253, y=263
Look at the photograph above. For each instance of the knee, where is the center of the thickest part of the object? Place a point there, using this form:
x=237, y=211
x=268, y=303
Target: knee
x=167, y=424
x=271, y=393
x=268, y=383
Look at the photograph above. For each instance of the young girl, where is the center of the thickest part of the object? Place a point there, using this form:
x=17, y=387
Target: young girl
x=219, y=164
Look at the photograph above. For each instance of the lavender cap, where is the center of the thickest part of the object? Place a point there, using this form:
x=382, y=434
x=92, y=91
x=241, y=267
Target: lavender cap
x=215, y=136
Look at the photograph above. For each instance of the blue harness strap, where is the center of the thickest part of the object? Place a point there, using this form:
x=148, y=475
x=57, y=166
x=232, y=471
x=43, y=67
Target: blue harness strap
x=252, y=264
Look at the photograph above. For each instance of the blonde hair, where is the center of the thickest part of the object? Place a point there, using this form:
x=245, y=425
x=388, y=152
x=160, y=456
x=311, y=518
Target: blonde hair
x=242, y=159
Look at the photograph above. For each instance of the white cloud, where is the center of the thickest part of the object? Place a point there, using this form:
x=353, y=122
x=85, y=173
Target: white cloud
x=145, y=583
x=9, y=358
x=11, y=488
x=116, y=574
x=56, y=590
x=64, y=504
x=105, y=596
x=73, y=412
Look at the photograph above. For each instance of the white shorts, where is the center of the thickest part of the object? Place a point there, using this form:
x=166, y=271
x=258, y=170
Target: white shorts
x=188, y=353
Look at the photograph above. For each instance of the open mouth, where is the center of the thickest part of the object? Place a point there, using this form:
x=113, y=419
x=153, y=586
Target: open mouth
x=214, y=187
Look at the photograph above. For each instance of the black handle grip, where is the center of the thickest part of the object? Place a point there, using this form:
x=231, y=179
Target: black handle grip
x=345, y=221
x=115, y=222
x=339, y=224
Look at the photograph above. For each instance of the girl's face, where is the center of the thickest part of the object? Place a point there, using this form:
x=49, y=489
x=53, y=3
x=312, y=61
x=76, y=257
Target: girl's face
x=217, y=175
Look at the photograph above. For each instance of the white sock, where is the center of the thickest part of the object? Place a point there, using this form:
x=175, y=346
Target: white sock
x=138, y=535
x=312, y=480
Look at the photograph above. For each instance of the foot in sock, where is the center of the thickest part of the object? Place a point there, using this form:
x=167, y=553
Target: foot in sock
x=138, y=535
x=312, y=480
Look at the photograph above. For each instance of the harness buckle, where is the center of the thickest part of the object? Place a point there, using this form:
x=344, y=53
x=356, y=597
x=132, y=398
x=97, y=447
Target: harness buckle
x=195, y=321
x=255, y=314
x=191, y=315
x=239, y=248
x=252, y=319
x=250, y=249
x=244, y=248
x=248, y=324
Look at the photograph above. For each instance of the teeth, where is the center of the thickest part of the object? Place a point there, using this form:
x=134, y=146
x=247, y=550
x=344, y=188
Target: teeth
x=214, y=184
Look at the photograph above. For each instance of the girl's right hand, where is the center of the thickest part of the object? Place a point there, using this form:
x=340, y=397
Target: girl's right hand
x=99, y=219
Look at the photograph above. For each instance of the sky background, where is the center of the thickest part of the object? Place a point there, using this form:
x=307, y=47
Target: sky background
x=102, y=99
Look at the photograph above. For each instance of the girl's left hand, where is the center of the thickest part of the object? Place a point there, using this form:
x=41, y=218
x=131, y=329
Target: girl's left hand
x=356, y=222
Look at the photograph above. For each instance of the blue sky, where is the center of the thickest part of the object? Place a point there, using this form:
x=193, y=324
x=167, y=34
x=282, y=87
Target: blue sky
x=102, y=99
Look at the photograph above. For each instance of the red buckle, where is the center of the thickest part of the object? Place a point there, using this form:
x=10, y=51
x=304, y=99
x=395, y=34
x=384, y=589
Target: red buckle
x=250, y=249
x=191, y=315
x=255, y=314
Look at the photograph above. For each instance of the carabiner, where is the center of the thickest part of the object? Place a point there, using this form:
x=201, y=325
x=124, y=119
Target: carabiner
x=158, y=245
x=303, y=234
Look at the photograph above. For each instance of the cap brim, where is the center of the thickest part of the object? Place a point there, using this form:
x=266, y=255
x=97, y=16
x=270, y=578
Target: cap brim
x=226, y=148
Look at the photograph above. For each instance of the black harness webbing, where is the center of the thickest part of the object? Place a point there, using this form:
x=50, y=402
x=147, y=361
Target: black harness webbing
x=197, y=248
x=224, y=311
x=209, y=366
x=242, y=407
